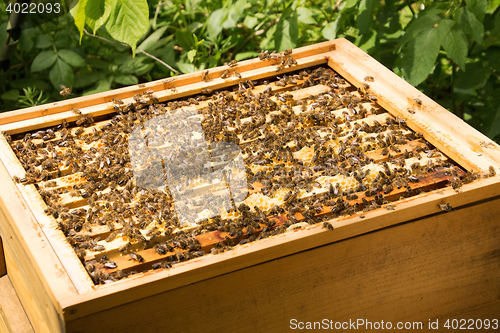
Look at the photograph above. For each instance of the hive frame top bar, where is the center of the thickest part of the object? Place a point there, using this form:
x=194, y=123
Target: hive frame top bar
x=463, y=144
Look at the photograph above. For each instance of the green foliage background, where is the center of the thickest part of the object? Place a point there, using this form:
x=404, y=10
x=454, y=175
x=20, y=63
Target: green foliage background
x=450, y=50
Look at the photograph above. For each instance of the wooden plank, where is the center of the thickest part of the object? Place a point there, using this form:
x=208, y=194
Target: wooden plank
x=461, y=281
x=147, y=284
x=98, y=108
x=34, y=268
x=11, y=310
x=106, y=97
x=462, y=143
x=48, y=224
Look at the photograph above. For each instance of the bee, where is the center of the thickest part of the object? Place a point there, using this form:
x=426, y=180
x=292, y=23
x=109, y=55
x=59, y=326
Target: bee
x=389, y=207
x=76, y=111
x=225, y=74
x=173, y=89
x=492, y=171
x=65, y=91
x=117, y=101
x=233, y=63
x=328, y=225
x=204, y=75
x=445, y=207
x=411, y=111
x=136, y=257
x=279, y=68
x=237, y=74
x=206, y=91
x=369, y=79
x=142, y=85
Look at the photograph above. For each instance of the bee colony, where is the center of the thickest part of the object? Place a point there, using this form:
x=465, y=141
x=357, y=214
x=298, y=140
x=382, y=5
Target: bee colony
x=166, y=174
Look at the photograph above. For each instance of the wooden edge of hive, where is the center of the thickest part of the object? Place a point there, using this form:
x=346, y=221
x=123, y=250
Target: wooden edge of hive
x=180, y=81
x=55, y=237
x=440, y=127
x=150, y=283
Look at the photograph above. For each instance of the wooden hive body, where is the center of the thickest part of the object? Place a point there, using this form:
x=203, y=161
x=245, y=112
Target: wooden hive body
x=413, y=263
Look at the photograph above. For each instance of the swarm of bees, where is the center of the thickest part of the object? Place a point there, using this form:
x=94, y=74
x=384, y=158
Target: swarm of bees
x=307, y=159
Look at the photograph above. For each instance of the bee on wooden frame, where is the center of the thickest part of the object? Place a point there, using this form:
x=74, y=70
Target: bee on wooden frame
x=65, y=91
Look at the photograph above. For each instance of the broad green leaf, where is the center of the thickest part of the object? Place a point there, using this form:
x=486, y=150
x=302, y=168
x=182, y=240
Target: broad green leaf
x=11, y=95
x=43, y=41
x=246, y=55
x=416, y=26
x=232, y=19
x=365, y=17
x=472, y=78
x=330, y=30
x=86, y=79
x=26, y=41
x=128, y=21
x=126, y=80
x=185, y=39
x=345, y=5
x=43, y=60
x=420, y=55
x=470, y=24
x=78, y=13
x=97, y=12
x=186, y=68
x=71, y=57
x=454, y=42
x=151, y=42
x=215, y=21
x=306, y=15
x=61, y=74
x=63, y=38
x=191, y=54
x=287, y=30
x=250, y=22
x=478, y=7
x=102, y=85
x=137, y=66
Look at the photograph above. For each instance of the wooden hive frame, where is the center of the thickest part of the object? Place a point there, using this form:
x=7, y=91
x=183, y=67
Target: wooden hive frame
x=59, y=295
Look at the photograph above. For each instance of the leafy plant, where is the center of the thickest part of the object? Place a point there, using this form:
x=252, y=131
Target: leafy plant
x=32, y=97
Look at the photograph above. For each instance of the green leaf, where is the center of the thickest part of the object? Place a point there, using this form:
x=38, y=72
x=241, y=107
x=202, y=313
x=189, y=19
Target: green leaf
x=11, y=95
x=454, y=42
x=306, y=15
x=78, y=13
x=63, y=38
x=191, y=54
x=97, y=12
x=287, y=30
x=470, y=24
x=472, y=78
x=420, y=55
x=71, y=57
x=43, y=60
x=102, y=85
x=138, y=66
x=365, y=17
x=26, y=41
x=250, y=22
x=43, y=41
x=128, y=21
x=330, y=30
x=215, y=21
x=186, y=68
x=478, y=7
x=345, y=5
x=151, y=42
x=61, y=74
x=418, y=25
x=185, y=39
x=245, y=55
x=86, y=79
x=126, y=79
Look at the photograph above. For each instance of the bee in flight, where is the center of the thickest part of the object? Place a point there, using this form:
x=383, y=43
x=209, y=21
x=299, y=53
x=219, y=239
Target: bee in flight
x=65, y=91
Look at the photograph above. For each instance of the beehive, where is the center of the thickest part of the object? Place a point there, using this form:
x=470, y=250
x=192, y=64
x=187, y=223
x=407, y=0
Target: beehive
x=330, y=140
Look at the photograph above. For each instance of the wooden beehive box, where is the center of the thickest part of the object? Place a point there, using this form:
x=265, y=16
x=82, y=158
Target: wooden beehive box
x=424, y=251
